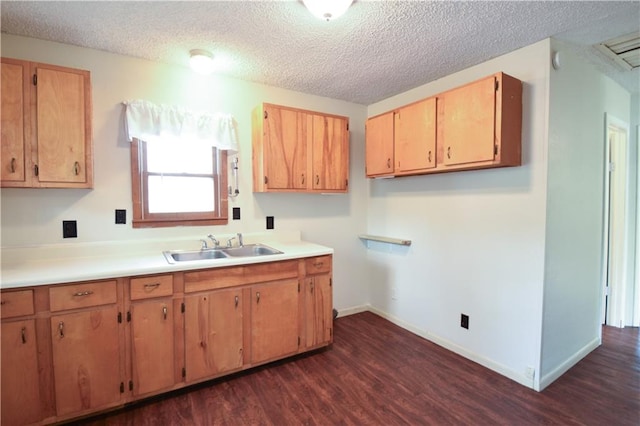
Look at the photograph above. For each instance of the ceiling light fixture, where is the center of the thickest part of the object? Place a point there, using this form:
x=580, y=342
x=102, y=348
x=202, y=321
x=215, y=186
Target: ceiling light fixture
x=201, y=61
x=327, y=9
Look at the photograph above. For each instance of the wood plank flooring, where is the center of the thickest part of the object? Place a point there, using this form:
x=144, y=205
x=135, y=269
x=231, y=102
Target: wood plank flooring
x=379, y=374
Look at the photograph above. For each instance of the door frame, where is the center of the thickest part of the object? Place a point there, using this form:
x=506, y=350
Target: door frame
x=613, y=312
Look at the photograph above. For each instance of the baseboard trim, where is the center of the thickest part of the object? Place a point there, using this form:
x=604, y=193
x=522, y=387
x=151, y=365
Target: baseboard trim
x=553, y=375
x=353, y=310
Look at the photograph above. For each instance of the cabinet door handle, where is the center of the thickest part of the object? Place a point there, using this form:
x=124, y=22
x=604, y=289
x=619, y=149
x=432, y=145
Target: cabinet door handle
x=76, y=168
x=317, y=179
x=429, y=157
x=258, y=297
x=449, y=152
x=36, y=170
x=388, y=163
x=4, y=302
x=83, y=293
x=61, y=328
x=13, y=165
x=164, y=312
x=237, y=301
x=152, y=286
x=24, y=335
x=303, y=178
x=311, y=286
x=318, y=264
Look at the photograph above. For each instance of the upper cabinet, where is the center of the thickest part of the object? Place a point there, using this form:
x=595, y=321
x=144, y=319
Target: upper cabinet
x=379, y=147
x=296, y=150
x=46, y=126
x=475, y=126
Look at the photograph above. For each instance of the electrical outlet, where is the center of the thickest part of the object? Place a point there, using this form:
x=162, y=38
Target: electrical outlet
x=236, y=213
x=121, y=217
x=69, y=229
x=270, y=224
x=464, y=321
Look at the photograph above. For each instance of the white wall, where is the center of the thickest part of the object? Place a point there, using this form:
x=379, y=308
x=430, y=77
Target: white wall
x=580, y=97
x=478, y=236
x=34, y=216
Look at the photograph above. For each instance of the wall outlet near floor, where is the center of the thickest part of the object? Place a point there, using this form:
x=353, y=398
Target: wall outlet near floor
x=530, y=373
x=464, y=321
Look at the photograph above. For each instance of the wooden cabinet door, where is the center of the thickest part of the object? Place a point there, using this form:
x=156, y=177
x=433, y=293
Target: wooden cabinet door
x=152, y=348
x=379, y=145
x=20, y=383
x=330, y=153
x=468, y=123
x=318, y=310
x=213, y=333
x=286, y=134
x=63, y=126
x=86, y=360
x=415, y=136
x=14, y=113
x=274, y=320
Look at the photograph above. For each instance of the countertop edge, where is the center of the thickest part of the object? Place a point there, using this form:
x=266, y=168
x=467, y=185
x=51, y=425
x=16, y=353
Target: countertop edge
x=77, y=269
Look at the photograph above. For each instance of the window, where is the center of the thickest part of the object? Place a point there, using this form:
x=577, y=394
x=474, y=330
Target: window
x=178, y=184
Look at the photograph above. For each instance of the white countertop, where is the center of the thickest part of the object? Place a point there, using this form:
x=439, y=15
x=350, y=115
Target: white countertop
x=63, y=263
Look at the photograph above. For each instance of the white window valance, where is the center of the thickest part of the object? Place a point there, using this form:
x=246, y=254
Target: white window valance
x=166, y=123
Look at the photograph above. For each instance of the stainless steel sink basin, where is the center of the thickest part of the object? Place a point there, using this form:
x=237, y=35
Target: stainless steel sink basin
x=191, y=255
x=250, y=250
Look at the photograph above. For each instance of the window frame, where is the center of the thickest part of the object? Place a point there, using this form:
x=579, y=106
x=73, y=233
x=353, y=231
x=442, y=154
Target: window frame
x=141, y=216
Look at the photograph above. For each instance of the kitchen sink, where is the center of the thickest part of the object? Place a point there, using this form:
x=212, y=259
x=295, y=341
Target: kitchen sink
x=249, y=250
x=187, y=256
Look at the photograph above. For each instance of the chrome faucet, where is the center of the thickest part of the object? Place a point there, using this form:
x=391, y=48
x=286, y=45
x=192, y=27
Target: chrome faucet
x=230, y=242
x=204, y=245
x=215, y=242
x=240, y=241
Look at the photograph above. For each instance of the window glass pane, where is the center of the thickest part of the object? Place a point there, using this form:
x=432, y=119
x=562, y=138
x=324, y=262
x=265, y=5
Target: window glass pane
x=168, y=194
x=185, y=158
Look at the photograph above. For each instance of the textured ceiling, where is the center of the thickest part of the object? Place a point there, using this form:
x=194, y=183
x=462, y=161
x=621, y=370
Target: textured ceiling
x=376, y=50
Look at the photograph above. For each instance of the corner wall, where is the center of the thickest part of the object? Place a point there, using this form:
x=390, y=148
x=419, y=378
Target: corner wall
x=478, y=237
x=579, y=98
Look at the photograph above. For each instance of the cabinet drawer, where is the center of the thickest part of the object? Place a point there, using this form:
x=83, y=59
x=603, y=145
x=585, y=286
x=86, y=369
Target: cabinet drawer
x=153, y=286
x=16, y=303
x=211, y=279
x=318, y=265
x=82, y=295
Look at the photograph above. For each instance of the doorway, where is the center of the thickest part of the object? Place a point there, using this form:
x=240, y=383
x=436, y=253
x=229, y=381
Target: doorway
x=618, y=241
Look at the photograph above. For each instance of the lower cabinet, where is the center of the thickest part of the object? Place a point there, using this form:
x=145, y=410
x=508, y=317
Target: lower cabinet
x=275, y=331
x=153, y=321
x=152, y=346
x=213, y=333
x=86, y=360
x=318, y=300
x=20, y=379
x=71, y=350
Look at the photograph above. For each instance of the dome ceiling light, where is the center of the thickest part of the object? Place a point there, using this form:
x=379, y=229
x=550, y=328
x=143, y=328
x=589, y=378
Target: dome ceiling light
x=327, y=10
x=201, y=61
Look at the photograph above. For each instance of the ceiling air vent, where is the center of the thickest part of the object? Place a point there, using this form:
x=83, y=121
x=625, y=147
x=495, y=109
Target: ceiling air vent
x=624, y=50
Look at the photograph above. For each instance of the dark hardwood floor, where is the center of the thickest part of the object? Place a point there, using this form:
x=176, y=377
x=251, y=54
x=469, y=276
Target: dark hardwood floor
x=376, y=373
